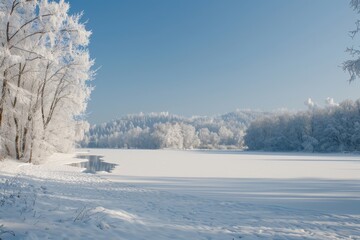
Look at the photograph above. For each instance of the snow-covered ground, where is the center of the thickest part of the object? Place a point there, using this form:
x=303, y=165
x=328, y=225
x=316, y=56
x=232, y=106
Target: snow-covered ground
x=163, y=194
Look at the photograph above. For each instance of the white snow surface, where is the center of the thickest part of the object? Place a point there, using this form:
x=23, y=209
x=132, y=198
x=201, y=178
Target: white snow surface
x=165, y=194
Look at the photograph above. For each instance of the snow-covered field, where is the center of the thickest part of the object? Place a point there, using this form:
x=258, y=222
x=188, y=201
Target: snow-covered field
x=163, y=194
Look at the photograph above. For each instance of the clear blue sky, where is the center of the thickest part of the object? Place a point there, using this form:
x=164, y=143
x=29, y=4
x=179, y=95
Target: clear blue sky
x=206, y=57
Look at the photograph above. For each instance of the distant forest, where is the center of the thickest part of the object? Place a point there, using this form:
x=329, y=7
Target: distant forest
x=333, y=128
x=163, y=130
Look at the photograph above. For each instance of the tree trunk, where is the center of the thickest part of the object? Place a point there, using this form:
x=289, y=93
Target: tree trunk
x=17, y=140
x=3, y=96
x=18, y=152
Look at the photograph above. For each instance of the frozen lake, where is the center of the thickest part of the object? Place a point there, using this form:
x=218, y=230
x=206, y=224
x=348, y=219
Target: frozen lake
x=328, y=183
x=182, y=195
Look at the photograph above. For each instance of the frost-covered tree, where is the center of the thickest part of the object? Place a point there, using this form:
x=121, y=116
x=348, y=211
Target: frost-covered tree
x=169, y=135
x=352, y=66
x=226, y=135
x=44, y=69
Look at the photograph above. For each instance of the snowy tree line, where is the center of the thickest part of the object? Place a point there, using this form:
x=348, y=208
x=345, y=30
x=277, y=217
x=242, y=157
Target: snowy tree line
x=163, y=130
x=44, y=68
x=333, y=128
